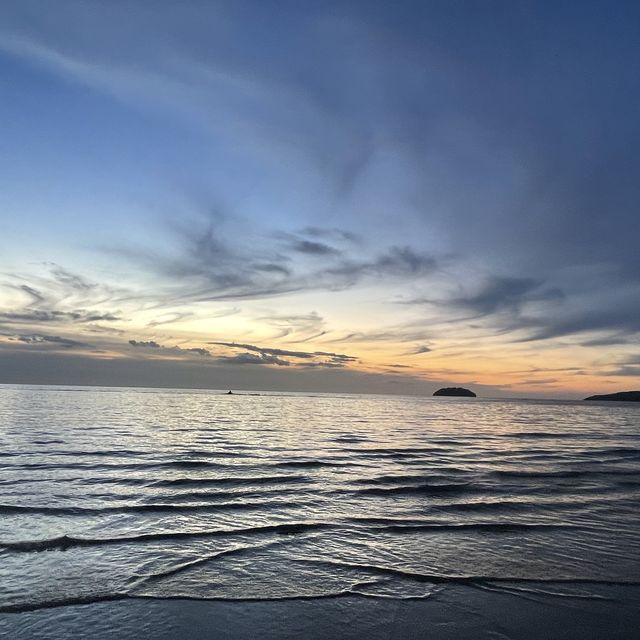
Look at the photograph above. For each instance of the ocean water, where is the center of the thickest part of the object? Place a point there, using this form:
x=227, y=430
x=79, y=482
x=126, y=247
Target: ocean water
x=110, y=494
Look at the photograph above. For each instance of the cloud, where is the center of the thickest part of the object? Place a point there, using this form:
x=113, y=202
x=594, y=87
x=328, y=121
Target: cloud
x=284, y=352
x=170, y=318
x=632, y=371
x=332, y=233
x=538, y=381
x=42, y=339
x=34, y=294
x=626, y=367
x=505, y=293
x=33, y=316
x=339, y=357
x=299, y=327
x=615, y=312
x=201, y=351
x=495, y=295
x=97, y=328
x=72, y=280
x=57, y=297
x=611, y=339
x=419, y=350
x=284, y=357
x=326, y=364
x=152, y=344
x=525, y=309
x=314, y=248
x=410, y=332
x=537, y=312
x=396, y=261
x=220, y=256
x=252, y=358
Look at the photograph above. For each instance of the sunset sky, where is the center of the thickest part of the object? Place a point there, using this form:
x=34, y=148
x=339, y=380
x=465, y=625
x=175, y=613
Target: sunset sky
x=332, y=196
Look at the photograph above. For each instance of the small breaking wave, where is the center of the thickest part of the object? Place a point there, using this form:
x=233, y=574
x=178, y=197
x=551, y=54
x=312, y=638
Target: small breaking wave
x=470, y=580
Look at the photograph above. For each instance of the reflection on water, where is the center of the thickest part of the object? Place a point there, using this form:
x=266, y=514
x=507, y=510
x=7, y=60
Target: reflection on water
x=115, y=492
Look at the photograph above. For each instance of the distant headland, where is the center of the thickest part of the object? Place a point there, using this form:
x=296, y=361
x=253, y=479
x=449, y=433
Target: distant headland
x=621, y=396
x=455, y=391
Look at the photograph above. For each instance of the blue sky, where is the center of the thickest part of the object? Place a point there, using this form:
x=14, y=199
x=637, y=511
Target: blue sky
x=443, y=191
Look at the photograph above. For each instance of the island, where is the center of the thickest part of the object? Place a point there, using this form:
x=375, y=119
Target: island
x=621, y=396
x=458, y=392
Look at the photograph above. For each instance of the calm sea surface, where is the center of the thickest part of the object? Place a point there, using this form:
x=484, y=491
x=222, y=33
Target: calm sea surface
x=112, y=493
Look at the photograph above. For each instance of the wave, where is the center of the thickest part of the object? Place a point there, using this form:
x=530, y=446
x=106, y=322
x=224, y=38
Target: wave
x=193, y=464
x=61, y=602
x=207, y=453
x=148, y=508
x=427, y=489
x=544, y=434
x=397, y=453
x=350, y=438
x=308, y=464
x=470, y=580
x=62, y=543
x=528, y=591
x=120, y=466
x=234, y=481
x=562, y=473
x=239, y=481
x=86, y=600
x=408, y=525
x=208, y=496
x=118, y=480
x=628, y=484
x=190, y=564
x=99, y=453
x=482, y=527
x=632, y=453
x=512, y=505
x=518, y=473
x=401, y=479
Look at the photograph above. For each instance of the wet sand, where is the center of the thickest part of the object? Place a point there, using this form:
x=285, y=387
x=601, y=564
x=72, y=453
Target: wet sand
x=455, y=613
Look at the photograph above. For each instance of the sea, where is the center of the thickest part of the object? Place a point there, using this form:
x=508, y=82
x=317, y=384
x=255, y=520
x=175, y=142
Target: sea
x=109, y=494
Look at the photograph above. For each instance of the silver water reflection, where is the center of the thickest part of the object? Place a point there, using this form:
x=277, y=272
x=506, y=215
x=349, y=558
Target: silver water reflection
x=108, y=493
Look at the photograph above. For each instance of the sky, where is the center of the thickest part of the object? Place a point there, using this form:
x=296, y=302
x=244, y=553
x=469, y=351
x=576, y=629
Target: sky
x=382, y=197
